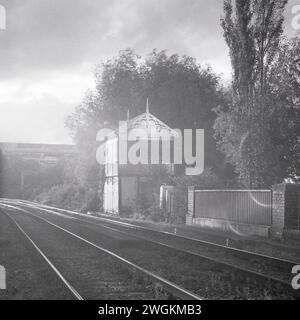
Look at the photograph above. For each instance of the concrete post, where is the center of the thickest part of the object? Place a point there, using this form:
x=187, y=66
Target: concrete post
x=191, y=205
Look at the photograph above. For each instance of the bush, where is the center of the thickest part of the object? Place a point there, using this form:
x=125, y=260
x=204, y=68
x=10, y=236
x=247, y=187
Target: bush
x=127, y=212
x=153, y=213
x=71, y=196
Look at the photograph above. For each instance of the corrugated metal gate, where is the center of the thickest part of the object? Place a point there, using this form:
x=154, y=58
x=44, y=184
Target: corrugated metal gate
x=245, y=206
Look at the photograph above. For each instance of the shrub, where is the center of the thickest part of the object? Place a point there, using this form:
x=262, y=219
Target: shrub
x=71, y=196
x=153, y=213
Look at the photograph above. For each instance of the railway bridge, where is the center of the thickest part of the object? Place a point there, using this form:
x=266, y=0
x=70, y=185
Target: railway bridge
x=32, y=156
x=44, y=154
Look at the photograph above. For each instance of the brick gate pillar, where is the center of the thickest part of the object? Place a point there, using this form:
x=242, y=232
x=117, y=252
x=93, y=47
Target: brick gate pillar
x=278, y=201
x=285, y=208
x=292, y=207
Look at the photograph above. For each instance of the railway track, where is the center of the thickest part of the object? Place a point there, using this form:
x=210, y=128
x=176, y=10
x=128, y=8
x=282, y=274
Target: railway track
x=281, y=267
x=72, y=290
x=28, y=276
x=163, y=239
x=94, y=272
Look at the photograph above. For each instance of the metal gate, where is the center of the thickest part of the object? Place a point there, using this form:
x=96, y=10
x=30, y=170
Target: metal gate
x=245, y=206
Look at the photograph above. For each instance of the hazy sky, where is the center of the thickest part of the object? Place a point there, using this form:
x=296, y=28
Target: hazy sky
x=49, y=49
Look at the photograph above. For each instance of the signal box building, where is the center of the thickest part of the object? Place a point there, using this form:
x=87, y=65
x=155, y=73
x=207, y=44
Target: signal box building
x=127, y=185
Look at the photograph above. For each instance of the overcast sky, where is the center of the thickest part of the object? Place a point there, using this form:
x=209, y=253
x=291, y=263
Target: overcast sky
x=49, y=48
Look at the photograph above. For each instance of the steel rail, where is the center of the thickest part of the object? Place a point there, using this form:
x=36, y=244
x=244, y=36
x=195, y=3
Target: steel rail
x=227, y=264
x=74, y=292
x=169, y=286
x=131, y=225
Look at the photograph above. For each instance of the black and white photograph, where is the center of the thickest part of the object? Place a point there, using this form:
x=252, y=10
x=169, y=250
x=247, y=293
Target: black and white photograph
x=149, y=155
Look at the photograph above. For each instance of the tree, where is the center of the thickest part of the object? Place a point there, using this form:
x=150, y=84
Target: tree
x=118, y=89
x=284, y=82
x=181, y=93
x=253, y=32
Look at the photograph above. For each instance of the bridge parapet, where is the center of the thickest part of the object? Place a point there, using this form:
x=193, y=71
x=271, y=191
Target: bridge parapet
x=41, y=153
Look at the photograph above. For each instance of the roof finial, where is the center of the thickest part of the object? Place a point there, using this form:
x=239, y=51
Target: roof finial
x=128, y=115
x=147, y=106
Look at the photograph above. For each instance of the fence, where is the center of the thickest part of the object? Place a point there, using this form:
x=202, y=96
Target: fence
x=244, y=206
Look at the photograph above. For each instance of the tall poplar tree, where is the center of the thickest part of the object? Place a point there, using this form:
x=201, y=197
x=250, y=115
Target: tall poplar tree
x=253, y=32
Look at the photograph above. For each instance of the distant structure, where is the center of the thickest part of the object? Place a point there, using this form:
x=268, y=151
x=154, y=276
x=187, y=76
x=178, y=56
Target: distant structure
x=35, y=156
x=44, y=154
x=128, y=184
